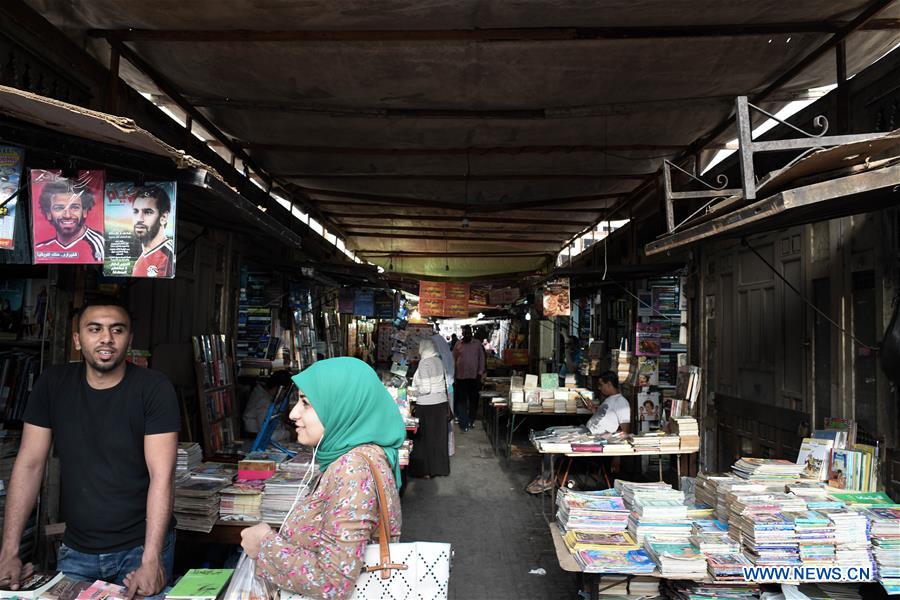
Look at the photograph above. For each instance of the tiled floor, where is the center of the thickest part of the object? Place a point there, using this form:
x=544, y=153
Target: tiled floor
x=496, y=529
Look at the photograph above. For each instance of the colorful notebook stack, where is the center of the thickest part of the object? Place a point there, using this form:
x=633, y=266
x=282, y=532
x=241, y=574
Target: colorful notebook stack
x=767, y=538
x=591, y=512
x=815, y=537
x=676, y=559
x=885, y=530
x=657, y=510
x=715, y=543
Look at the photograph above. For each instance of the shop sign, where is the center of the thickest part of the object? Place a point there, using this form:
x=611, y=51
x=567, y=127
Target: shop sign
x=456, y=308
x=458, y=291
x=140, y=230
x=67, y=222
x=556, y=298
x=478, y=296
x=432, y=290
x=384, y=306
x=431, y=307
x=345, y=300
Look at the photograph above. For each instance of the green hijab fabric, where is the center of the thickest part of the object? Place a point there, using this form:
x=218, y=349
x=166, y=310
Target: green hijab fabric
x=354, y=408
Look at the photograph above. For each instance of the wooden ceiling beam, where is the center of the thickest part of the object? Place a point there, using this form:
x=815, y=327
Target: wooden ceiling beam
x=532, y=34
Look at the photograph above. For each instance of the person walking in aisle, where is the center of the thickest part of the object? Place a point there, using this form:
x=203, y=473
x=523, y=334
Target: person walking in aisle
x=430, y=454
x=349, y=417
x=115, y=428
x=469, y=356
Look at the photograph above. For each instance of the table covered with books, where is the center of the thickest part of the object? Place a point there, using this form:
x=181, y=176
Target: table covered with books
x=697, y=541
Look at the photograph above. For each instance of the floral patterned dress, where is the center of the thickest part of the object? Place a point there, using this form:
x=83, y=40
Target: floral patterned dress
x=320, y=550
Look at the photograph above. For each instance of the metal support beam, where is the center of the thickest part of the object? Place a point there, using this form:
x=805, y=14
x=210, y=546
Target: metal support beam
x=843, y=94
x=519, y=239
x=415, y=217
x=398, y=254
x=502, y=150
x=464, y=177
x=534, y=34
x=453, y=229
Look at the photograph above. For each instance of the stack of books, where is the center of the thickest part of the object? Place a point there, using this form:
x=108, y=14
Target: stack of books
x=242, y=501
x=688, y=432
x=676, y=559
x=197, y=504
x=657, y=510
x=581, y=513
x=885, y=530
x=726, y=567
x=772, y=469
x=281, y=491
x=189, y=456
x=517, y=401
x=715, y=543
x=851, y=537
x=815, y=537
x=636, y=562
x=404, y=452
x=673, y=588
x=767, y=538
x=706, y=487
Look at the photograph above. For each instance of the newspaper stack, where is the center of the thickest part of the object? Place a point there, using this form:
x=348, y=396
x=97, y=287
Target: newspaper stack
x=281, y=491
x=885, y=531
x=197, y=504
x=241, y=501
x=676, y=559
x=772, y=469
x=189, y=456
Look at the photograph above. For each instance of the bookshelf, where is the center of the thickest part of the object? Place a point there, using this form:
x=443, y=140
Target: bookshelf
x=217, y=401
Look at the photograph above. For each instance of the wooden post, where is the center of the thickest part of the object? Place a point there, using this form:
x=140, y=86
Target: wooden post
x=112, y=82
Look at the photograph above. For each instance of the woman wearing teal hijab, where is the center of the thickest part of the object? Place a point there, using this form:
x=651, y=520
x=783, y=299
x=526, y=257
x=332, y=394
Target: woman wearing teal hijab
x=348, y=414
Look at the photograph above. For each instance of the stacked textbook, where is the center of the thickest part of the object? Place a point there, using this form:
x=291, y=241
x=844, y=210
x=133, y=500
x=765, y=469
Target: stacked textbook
x=885, y=530
x=676, y=559
x=769, y=469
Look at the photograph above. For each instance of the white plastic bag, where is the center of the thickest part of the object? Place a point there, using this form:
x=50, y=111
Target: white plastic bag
x=451, y=439
x=246, y=585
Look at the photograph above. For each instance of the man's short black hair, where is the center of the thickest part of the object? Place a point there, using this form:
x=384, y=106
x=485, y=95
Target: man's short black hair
x=610, y=377
x=102, y=301
x=159, y=193
x=64, y=186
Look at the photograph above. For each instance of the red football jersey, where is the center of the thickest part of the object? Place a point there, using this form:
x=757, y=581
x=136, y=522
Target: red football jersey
x=157, y=262
x=88, y=248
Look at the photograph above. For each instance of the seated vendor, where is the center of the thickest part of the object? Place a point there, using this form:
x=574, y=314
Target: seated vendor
x=613, y=414
x=261, y=397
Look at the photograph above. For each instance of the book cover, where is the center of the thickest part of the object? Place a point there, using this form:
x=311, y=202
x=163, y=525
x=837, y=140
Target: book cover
x=33, y=586
x=813, y=455
x=11, y=161
x=65, y=589
x=102, y=590
x=838, y=472
x=68, y=223
x=200, y=583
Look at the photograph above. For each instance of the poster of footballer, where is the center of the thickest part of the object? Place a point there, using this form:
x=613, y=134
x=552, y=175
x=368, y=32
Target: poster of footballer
x=67, y=217
x=140, y=230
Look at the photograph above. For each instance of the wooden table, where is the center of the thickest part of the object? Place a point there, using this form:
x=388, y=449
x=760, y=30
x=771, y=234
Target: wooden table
x=523, y=415
x=223, y=532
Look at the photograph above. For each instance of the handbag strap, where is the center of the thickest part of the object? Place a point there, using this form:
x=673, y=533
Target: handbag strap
x=384, y=536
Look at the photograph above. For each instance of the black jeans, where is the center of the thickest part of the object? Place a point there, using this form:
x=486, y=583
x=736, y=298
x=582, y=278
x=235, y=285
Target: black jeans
x=465, y=401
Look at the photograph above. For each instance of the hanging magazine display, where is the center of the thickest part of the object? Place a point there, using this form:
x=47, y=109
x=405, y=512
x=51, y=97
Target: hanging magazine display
x=140, y=230
x=556, y=298
x=11, y=159
x=649, y=339
x=67, y=217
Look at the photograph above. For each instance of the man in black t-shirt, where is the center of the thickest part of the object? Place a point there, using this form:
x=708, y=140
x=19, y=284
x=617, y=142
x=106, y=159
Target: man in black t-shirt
x=115, y=428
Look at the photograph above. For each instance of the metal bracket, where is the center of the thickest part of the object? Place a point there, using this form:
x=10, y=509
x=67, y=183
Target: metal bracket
x=747, y=147
x=713, y=192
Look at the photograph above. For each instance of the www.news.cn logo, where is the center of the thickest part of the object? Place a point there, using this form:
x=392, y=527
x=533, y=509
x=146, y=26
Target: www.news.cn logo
x=807, y=574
